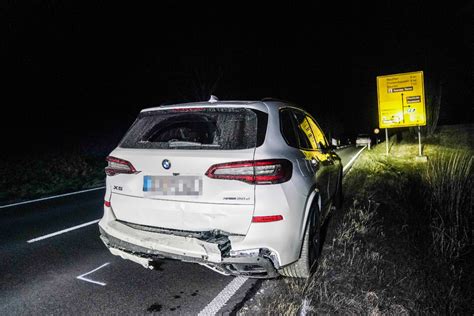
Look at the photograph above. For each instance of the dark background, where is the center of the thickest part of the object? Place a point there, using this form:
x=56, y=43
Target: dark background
x=79, y=73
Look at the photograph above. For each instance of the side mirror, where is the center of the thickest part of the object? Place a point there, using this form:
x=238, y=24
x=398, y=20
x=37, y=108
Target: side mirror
x=326, y=148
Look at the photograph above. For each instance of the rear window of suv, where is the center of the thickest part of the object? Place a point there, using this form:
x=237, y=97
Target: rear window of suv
x=197, y=128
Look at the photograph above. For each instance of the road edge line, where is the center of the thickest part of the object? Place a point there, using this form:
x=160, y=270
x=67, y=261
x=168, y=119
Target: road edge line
x=347, y=167
x=51, y=197
x=223, y=297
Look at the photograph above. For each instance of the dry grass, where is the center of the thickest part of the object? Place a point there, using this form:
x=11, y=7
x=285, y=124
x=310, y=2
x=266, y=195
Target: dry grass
x=403, y=243
x=276, y=297
x=449, y=178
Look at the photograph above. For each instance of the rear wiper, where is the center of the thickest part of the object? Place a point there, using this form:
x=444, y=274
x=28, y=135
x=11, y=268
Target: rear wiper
x=179, y=143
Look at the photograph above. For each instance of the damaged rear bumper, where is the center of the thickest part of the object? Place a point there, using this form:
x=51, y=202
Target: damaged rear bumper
x=212, y=249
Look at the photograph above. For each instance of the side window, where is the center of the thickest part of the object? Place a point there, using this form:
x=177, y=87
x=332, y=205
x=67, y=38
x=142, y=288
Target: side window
x=305, y=133
x=287, y=128
x=317, y=132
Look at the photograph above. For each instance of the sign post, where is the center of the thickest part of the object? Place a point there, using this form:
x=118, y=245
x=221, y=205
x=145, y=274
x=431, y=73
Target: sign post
x=401, y=102
x=386, y=141
x=419, y=142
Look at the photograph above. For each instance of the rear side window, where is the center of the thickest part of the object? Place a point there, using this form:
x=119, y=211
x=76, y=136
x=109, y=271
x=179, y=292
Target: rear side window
x=305, y=134
x=317, y=133
x=197, y=128
x=287, y=128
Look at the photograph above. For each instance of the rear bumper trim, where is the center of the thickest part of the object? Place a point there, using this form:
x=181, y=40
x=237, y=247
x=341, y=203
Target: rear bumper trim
x=143, y=252
x=260, y=266
x=215, y=236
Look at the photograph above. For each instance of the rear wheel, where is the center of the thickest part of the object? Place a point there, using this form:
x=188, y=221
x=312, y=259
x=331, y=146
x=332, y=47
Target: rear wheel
x=309, y=251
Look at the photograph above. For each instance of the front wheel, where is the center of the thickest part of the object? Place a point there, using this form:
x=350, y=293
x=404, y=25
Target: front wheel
x=309, y=252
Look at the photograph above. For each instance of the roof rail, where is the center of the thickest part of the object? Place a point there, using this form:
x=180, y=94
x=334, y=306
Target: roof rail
x=272, y=99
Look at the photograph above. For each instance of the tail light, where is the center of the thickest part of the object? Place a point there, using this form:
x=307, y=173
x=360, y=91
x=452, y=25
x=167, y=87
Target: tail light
x=255, y=171
x=117, y=165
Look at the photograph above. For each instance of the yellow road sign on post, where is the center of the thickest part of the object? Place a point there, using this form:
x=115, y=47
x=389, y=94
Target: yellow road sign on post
x=401, y=99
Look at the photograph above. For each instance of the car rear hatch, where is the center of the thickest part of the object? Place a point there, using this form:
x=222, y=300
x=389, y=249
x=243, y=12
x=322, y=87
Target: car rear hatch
x=170, y=152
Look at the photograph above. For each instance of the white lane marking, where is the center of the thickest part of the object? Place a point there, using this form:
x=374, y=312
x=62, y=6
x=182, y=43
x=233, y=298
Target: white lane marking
x=51, y=197
x=82, y=276
x=349, y=164
x=221, y=299
x=63, y=231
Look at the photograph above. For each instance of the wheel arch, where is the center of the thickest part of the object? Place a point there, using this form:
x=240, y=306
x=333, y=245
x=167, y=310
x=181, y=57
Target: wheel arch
x=313, y=197
x=297, y=268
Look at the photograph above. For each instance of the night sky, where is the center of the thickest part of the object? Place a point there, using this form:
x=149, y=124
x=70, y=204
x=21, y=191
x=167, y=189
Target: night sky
x=80, y=72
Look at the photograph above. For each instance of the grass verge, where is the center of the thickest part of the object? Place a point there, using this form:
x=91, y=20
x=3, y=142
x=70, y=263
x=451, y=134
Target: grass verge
x=43, y=174
x=403, y=242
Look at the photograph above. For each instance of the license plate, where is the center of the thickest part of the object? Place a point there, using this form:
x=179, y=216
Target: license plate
x=172, y=185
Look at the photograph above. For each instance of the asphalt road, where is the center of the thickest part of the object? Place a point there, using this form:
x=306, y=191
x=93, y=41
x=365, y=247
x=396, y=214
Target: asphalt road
x=41, y=277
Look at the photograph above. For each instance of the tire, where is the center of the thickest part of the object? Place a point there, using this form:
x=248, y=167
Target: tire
x=310, y=250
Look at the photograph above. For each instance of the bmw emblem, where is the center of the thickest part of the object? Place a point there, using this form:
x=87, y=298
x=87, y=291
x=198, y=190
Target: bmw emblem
x=166, y=164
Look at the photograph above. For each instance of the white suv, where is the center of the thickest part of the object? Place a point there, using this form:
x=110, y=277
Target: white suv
x=241, y=187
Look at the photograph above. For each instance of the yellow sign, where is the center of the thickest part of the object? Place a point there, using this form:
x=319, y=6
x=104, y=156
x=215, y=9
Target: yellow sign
x=401, y=99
